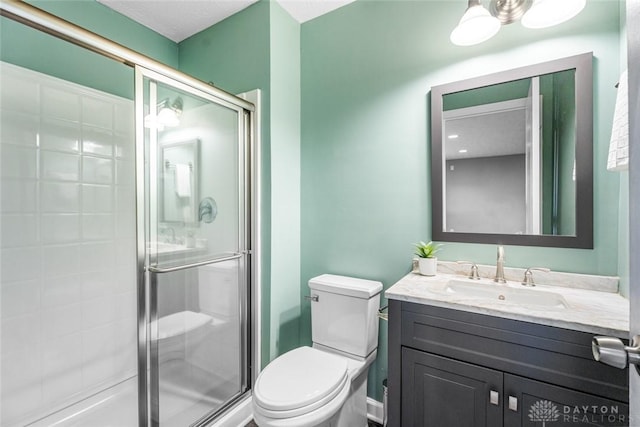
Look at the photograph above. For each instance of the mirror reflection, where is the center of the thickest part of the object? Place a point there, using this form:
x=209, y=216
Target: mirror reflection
x=510, y=157
x=179, y=182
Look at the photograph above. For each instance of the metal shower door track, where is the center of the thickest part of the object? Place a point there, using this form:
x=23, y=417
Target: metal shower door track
x=41, y=20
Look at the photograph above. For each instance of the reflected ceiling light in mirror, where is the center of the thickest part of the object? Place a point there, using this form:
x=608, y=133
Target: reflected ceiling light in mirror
x=453, y=136
x=475, y=26
x=462, y=151
x=479, y=24
x=168, y=114
x=547, y=13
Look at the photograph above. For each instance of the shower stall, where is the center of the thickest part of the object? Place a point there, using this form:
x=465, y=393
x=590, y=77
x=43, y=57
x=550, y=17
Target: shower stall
x=128, y=292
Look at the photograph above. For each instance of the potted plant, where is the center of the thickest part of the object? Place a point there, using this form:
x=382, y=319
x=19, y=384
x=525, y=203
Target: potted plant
x=427, y=261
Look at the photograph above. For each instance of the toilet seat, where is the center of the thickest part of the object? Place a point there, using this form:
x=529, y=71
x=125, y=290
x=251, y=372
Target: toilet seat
x=299, y=382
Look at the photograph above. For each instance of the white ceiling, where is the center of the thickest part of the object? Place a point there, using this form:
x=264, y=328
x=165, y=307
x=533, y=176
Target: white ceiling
x=180, y=19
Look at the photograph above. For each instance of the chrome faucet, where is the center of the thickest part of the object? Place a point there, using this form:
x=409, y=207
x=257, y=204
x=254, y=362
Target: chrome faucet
x=474, y=275
x=173, y=234
x=500, y=266
x=204, y=211
x=528, y=275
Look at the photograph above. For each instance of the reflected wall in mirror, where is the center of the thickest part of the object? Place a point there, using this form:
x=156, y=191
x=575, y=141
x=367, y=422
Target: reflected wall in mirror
x=179, y=182
x=512, y=156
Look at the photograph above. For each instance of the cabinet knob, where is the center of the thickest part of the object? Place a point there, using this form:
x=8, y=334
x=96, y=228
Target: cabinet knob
x=513, y=403
x=494, y=397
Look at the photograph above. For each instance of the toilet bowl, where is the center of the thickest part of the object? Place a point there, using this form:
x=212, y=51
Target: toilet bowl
x=311, y=387
x=325, y=385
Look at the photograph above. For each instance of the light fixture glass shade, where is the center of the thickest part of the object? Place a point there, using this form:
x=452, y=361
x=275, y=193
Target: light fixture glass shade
x=168, y=117
x=547, y=13
x=475, y=26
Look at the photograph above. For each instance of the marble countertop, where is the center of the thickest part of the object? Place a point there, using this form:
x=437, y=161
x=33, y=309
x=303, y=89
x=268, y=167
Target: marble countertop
x=587, y=310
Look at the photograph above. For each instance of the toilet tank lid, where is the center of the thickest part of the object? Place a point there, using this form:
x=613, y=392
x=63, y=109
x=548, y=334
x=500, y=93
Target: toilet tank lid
x=343, y=285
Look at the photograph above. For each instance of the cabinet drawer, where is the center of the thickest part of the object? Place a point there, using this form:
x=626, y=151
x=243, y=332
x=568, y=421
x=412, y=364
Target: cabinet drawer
x=553, y=355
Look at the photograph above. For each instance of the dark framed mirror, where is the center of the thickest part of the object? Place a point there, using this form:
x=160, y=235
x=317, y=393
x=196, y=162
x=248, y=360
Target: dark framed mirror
x=179, y=183
x=512, y=156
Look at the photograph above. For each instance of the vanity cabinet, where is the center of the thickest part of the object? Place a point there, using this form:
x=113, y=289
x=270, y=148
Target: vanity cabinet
x=438, y=391
x=451, y=368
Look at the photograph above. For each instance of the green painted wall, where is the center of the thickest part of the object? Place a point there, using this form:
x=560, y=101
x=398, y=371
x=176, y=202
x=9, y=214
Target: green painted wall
x=260, y=48
x=558, y=128
x=564, y=84
x=32, y=49
x=235, y=55
x=366, y=73
x=285, y=181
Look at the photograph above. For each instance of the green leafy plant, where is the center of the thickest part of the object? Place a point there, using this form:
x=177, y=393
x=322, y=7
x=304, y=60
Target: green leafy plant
x=426, y=250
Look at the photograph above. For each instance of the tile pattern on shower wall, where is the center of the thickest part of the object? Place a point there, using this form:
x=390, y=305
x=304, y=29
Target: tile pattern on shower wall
x=68, y=262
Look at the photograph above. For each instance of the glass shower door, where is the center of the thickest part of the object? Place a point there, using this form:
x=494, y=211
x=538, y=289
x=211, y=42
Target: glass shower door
x=195, y=251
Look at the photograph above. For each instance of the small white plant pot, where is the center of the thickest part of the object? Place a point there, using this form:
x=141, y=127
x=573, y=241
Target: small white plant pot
x=428, y=266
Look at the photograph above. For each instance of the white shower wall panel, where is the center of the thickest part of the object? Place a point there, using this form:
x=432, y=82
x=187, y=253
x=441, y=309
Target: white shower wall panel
x=68, y=261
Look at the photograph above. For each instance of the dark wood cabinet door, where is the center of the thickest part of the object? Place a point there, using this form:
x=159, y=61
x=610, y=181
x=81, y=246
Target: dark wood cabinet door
x=540, y=404
x=442, y=392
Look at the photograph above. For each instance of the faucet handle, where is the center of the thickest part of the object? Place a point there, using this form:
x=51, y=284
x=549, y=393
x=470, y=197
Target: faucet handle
x=474, y=269
x=528, y=275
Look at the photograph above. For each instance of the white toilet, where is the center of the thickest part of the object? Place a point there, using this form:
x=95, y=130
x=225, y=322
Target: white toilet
x=325, y=385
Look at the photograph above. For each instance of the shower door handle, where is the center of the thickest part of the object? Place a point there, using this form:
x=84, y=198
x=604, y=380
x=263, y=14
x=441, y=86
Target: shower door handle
x=613, y=352
x=160, y=270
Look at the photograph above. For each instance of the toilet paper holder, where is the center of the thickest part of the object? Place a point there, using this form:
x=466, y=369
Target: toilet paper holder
x=383, y=313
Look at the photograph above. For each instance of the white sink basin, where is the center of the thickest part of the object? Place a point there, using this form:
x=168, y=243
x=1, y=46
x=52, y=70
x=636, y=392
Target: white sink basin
x=163, y=247
x=505, y=294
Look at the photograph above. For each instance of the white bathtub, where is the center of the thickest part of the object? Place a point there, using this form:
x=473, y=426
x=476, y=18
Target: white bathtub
x=118, y=407
x=114, y=407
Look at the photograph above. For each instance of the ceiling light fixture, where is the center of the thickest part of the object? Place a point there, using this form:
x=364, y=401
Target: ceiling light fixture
x=479, y=24
x=547, y=13
x=475, y=26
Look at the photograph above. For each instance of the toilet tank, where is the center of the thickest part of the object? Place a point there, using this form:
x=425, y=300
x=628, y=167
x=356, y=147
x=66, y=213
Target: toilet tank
x=345, y=316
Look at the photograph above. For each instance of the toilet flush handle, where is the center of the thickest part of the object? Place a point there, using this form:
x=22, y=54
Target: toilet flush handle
x=313, y=298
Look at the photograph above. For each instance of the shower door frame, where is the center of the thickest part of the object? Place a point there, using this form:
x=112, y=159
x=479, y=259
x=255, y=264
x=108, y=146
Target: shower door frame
x=48, y=23
x=147, y=274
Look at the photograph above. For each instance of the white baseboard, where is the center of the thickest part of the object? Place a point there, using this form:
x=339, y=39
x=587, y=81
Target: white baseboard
x=375, y=410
